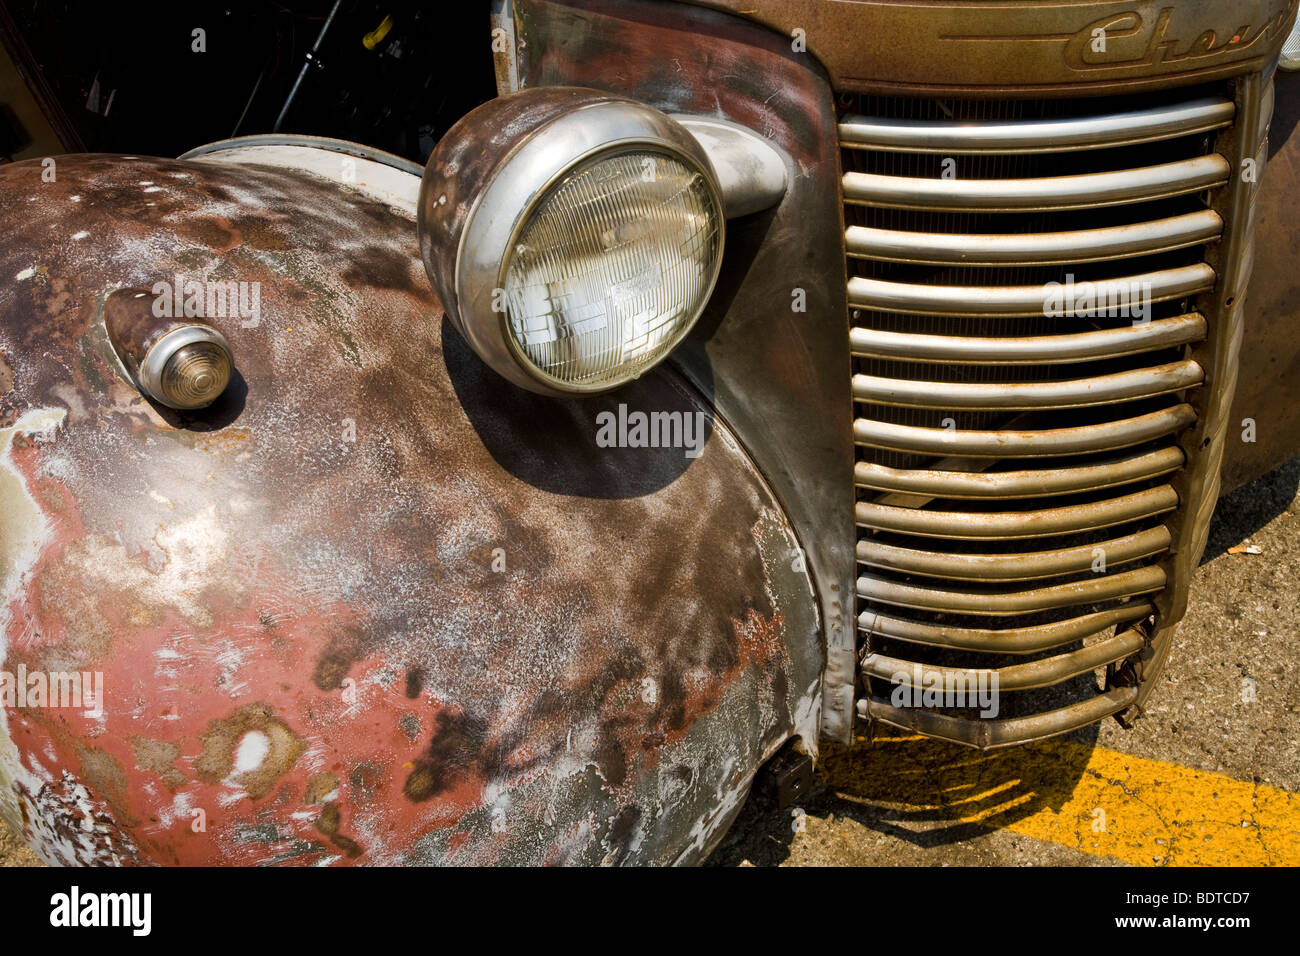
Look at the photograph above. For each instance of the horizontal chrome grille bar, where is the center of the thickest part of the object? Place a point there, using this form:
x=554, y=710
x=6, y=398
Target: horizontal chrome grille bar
x=1018, y=484
x=1045, y=193
x=1039, y=248
x=1021, y=640
x=1023, y=444
x=1038, y=135
x=1125, y=295
x=1012, y=525
x=1073, y=393
x=1090, y=590
x=1043, y=673
x=1026, y=350
x=1006, y=731
x=1013, y=567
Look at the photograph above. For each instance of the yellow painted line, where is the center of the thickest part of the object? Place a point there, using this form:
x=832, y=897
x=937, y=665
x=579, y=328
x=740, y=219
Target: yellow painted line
x=1110, y=804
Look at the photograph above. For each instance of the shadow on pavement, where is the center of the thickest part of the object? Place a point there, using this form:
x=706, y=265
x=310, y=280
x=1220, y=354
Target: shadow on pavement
x=925, y=792
x=1244, y=511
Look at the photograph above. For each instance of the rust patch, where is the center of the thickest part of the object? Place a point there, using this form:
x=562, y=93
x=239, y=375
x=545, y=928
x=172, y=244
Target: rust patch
x=344, y=649
x=224, y=736
x=105, y=776
x=410, y=725
x=159, y=756
x=365, y=780
x=224, y=441
x=378, y=266
x=328, y=824
x=320, y=786
x=451, y=756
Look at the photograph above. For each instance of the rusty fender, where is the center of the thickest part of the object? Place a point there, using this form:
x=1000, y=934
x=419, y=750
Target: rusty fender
x=375, y=605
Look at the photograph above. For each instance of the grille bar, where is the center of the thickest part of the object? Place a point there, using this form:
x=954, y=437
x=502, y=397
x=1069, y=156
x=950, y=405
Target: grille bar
x=1019, y=484
x=1036, y=248
x=1071, y=393
x=1024, y=444
x=1005, y=732
x=1038, y=135
x=1021, y=300
x=1015, y=525
x=1041, y=673
x=1123, y=585
x=1013, y=567
x=1015, y=640
x=1029, y=350
x=1052, y=193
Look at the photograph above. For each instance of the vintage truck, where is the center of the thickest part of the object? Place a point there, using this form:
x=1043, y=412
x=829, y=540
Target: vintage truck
x=746, y=375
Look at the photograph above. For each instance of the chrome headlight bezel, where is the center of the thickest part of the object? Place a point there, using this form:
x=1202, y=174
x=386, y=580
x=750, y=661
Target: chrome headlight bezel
x=1289, y=57
x=550, y=146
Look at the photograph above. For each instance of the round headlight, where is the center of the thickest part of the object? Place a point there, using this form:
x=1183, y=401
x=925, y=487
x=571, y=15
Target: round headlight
x=582, y=251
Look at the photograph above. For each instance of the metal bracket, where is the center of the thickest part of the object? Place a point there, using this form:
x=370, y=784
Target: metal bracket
x=751, y=171
x=788, y=776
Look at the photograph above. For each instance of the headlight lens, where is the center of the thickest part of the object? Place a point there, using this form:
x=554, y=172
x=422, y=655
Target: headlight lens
x=611, y=269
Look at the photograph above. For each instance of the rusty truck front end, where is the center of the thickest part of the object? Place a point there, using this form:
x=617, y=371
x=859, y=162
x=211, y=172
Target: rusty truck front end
x=956, y=294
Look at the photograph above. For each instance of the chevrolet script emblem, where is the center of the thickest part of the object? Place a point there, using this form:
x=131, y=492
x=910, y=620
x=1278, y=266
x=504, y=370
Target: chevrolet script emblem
x=1127, y=40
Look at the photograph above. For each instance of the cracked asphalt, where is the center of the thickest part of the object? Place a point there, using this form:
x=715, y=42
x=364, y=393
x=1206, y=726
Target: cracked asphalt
x=1210, y=775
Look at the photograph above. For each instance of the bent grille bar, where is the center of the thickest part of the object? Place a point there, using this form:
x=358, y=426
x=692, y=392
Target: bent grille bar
x=1013, y=567
x=1016, y=677
x=1125, y=585
x=987, y=414
x=1005, y=732
x=1019, y=484
x=1015, y=640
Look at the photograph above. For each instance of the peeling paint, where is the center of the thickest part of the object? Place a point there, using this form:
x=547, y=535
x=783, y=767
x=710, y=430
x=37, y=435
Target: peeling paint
x=302, y=635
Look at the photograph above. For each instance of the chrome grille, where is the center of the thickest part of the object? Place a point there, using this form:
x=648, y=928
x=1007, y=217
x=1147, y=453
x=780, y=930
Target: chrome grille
x=1015, y=472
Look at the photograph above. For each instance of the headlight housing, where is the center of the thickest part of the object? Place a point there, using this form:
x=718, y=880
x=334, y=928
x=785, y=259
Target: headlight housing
x=1289, y=59
x=573, y=236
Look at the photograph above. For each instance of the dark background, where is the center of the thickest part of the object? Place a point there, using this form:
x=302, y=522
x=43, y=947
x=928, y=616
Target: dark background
x=433, y=66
